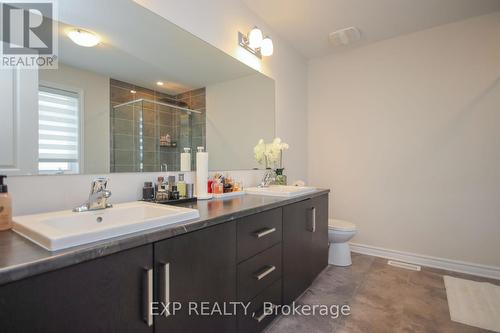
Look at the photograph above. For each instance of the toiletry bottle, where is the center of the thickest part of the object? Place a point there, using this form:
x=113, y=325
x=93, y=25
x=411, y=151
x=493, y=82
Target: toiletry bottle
x=186, y=160
x=181, y=186
x=161, y=194
x=173, y=194
x=218, y=186
x=238, y=186
x=159, y=183
x=228, y=185
x=210, y=185
x=5, y=206
x=171, y=182
x=202, y=174
x=189, y=190
x=148, y=192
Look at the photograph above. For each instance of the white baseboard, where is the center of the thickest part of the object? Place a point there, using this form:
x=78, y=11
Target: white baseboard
x=423, y=260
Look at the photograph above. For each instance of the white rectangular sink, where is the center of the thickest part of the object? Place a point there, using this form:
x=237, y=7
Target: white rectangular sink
x=280, y=190
x=60, y=230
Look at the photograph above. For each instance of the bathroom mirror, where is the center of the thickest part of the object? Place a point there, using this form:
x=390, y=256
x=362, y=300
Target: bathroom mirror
x=129, y=104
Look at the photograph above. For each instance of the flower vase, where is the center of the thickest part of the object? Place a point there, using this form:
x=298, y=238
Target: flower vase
x=280, y=177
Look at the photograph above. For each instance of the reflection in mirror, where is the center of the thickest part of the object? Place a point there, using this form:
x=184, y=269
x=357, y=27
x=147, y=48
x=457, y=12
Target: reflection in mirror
x=131, y=104
x=149, y=129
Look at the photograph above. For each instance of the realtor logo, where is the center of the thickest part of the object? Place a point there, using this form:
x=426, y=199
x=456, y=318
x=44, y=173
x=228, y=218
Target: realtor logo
x=29, y=34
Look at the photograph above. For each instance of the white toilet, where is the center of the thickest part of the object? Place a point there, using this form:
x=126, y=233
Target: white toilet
x=339, y=234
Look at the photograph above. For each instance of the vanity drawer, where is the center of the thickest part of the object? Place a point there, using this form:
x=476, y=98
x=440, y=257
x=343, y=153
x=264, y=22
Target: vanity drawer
x=259, y=232
x=255, y=319
x=259, y=272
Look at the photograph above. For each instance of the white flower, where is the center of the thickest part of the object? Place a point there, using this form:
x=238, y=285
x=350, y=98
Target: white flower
x=270, y=152
x=260, y=151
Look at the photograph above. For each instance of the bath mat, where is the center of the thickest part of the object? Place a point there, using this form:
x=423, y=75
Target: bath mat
x=473, y=303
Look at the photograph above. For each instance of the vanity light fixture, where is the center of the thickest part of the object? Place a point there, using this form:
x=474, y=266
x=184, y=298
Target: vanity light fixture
x=83, y=37
x=267, y=47
x=255, y=38
x=159, y=83
x=255, y=43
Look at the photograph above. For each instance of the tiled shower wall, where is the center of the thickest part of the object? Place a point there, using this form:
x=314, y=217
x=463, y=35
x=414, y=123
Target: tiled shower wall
x=196, y=100
x=186, y=130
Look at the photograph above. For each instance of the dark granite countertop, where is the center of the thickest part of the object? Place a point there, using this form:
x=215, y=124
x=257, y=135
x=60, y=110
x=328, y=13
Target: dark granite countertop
x=20, y=258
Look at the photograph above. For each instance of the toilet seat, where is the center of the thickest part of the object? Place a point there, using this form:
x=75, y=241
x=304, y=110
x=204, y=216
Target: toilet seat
x=341, y=225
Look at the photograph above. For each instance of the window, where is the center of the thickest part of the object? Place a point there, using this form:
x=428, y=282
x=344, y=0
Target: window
x=58, y=131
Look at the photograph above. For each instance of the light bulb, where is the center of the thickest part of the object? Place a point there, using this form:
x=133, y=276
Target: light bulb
x=267, y=47
x=83, y=37
x=255, y=38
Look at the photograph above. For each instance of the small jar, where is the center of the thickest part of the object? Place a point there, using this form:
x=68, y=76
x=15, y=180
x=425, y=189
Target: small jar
x=161, y=195
x=280, y=177
x=174, y=194
x=237, y=187
x=218, y=187
x=148, y=191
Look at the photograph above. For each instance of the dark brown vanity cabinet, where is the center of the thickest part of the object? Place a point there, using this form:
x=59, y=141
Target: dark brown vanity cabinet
x=194, y=268
x=108, y=294
x=259, y=267
x=319, y=242
x=272, y=256
x=305, y=245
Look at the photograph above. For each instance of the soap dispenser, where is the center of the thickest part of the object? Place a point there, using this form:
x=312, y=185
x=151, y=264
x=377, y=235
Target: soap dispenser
x=5, y=206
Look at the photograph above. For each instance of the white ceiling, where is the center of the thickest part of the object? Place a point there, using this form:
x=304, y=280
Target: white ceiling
x=307, y=23
x=142, y=48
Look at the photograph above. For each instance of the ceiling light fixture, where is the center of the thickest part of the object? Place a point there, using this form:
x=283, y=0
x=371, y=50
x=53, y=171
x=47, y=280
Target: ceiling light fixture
x=133, y=91
x=159, y=83
x=255, y=43
x=83, y=37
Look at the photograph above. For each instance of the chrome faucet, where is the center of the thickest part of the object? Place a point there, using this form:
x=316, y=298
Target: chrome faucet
x=268, y=179
x=98, y=197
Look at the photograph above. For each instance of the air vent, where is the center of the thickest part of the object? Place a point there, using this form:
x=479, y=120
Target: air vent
x=345, y=36
x=403, y=265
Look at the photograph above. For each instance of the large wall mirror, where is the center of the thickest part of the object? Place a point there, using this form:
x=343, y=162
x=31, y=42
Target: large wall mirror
x=133, y=103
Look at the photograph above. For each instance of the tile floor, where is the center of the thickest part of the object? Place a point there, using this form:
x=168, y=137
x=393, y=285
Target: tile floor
x=382, y=298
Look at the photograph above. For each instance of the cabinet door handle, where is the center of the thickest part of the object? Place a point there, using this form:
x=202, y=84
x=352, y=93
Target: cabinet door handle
x=148, y=296
x=264, y=314
x=264, y=232
x=265, y=272
x=165, y=270
x=313, y=219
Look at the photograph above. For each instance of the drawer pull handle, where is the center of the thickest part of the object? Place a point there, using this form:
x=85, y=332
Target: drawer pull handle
x=166, y=286
x=262, y=274
x=264, y=232
x=148, y=296
x=314, y=219
x=264, y=314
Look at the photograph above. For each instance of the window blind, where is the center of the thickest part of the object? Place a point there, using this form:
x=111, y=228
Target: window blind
x=58, y=125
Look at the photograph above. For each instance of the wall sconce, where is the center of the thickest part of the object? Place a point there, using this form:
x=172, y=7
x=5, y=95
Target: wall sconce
x=256, y=43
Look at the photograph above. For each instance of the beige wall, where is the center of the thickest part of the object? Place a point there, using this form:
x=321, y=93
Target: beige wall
x=96, y=106
x=239, y=113
x=407, y=133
